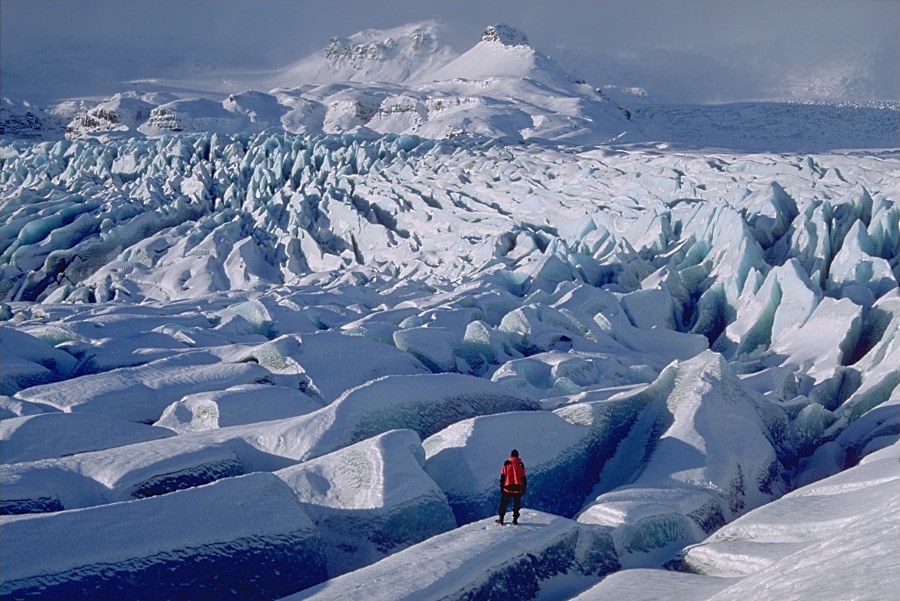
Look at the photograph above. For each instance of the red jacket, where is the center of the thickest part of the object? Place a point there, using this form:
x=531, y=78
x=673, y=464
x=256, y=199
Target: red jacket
x=512, y=476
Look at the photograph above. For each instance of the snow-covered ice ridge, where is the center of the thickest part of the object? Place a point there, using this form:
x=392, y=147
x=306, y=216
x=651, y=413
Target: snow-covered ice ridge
x=282, y=364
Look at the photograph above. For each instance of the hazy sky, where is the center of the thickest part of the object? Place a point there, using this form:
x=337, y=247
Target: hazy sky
x=685, y=50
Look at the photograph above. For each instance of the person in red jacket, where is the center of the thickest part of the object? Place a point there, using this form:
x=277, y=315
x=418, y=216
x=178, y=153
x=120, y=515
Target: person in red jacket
x=512, y=485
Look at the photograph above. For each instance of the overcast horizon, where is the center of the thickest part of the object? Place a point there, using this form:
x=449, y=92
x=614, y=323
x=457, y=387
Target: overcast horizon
x=681, y=51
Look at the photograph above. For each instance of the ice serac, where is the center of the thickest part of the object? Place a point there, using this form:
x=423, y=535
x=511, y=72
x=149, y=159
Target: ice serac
x=242, y=538
x=423, y=403
x=815, y=530
x=29, y=361
x=777, y=308
x=857, y=263
x=58, y=434
x=556, y=455
x=312, y=357
x=370, y=499
x=133, y=471
x=238, y=405
x=823, y=342
x=142, y=393
x=811, y=243
x=183, y=217
x=480, y=560
x=723, y=257
x=868, y=393
x=699, y=455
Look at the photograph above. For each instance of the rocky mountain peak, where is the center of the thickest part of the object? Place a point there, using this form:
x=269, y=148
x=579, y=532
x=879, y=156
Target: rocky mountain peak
x=365, y=47
x=504, y=34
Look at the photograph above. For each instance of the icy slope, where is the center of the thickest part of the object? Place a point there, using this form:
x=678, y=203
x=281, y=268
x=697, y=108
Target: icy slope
x=376, y=502
x=700, y=454
x=204, y=543
x=477, y=561
x=822, y=540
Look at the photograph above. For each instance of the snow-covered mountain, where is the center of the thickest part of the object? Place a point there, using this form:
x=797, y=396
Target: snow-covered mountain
x=402, y=80
x=121, y=114
x=277, y=344
x=406, y=80
x=400, y=55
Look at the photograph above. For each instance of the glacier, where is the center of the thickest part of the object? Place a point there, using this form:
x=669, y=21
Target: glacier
x=278, y=345
x=267, y=303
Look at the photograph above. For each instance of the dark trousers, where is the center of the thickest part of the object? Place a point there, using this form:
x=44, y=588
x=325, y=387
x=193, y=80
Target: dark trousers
x=505, y=498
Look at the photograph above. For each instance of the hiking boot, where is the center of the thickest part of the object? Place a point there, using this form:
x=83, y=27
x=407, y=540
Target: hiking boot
x=515, y=522
x=500, y=521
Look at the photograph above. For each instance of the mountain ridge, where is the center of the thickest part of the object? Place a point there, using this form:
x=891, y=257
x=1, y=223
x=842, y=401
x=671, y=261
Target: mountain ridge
x=407, y=80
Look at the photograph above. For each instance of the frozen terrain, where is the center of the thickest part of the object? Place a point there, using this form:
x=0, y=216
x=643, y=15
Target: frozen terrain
x=279, y=344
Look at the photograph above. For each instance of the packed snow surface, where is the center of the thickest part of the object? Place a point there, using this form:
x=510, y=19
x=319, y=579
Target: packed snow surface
x=240, y=361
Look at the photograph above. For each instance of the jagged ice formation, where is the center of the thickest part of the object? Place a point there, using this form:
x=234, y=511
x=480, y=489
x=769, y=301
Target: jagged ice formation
x=673, y=339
